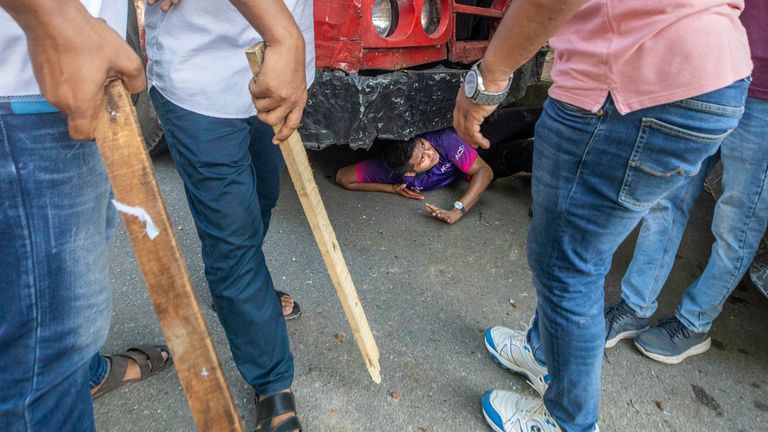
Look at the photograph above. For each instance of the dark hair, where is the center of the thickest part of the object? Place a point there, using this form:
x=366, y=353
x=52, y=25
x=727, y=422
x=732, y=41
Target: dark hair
x=396, y=154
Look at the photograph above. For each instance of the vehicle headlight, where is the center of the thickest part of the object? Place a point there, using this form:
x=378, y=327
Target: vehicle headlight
x=384, y=17
x=430, y=16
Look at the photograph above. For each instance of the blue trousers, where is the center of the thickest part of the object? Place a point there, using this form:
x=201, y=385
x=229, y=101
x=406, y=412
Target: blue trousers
x=595, y=176
x=231, y=174
x=55, y=219
x=739, y=222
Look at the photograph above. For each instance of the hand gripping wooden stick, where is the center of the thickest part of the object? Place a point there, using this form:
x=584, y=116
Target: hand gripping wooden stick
x=301, y=173
x=165, y=274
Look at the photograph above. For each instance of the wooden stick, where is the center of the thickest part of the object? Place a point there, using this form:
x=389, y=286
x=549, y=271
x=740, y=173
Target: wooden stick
x=165, y=274
x=296, y=160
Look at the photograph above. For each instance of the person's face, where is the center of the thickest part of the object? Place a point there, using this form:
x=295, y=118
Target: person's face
x=424, y=157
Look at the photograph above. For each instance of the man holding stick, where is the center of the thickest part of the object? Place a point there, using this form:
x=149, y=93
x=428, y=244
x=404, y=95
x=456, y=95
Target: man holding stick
x=225, y=153
x=643, y=94
x=55, y=209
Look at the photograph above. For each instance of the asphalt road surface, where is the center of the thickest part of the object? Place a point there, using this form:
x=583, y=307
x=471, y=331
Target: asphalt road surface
x=429, y=291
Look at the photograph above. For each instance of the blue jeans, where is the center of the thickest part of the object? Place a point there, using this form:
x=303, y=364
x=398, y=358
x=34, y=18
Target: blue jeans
x=56, y=302
x=595, y=176
x=231, y=174
x=739, y=221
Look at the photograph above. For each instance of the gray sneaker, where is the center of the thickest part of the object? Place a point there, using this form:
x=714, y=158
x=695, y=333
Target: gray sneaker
x=621, y=322
x=671, y=342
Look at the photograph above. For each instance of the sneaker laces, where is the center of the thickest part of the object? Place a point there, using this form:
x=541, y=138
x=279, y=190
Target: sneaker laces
x=674, y=328
x=617, y=311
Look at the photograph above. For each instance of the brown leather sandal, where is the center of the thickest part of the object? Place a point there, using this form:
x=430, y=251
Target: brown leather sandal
x=148, y=357
x=273, y=406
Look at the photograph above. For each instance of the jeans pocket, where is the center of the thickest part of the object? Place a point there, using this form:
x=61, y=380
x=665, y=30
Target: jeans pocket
x=664, y=157
x=573, y=109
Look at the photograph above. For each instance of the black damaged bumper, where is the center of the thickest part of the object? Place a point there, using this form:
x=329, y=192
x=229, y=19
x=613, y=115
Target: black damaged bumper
x=354, y=109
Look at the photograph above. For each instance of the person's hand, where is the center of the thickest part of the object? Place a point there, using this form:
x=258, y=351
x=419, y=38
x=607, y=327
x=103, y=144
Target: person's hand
x=165, y=5
x=403, y=190
x=73, y=57
x=468, y=116
x=280, y=91
x=447, y=216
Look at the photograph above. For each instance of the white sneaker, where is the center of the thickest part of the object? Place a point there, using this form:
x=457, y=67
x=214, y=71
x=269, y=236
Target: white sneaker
x=507, y=411
x=511, y=350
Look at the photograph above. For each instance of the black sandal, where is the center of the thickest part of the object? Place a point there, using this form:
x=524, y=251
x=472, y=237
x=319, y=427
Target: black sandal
x=275, y=405
x=148, y=357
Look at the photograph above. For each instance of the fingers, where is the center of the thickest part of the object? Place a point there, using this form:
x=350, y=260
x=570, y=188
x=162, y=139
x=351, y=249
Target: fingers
x=292, y=123
x=130, y=69
x=467, y=118
x=82, y=117
x=166, y=5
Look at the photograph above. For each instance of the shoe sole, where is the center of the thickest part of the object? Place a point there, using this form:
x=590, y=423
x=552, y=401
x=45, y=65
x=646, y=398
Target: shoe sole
x=610, y=343
x=491, y=424
x=509, y=366
x=672, y=360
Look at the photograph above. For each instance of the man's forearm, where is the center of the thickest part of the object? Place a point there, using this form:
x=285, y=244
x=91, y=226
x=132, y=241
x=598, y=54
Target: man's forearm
x=273, y=21
x=39, y=15
x=477, y=186
x=525, y=28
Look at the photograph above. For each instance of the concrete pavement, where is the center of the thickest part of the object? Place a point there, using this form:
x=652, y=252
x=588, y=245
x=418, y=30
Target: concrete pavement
x=429, y=291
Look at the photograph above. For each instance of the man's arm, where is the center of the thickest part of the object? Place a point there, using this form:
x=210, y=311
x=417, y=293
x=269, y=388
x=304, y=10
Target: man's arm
x=280, y=92
x=73, y=55
x=347, y=178
x=525, y=28
x=482, y=175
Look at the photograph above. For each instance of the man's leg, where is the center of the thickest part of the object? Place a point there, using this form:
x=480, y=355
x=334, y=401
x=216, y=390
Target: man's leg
x=214, y=160
x=595, y=176
x=56, y=298
x=739, y=221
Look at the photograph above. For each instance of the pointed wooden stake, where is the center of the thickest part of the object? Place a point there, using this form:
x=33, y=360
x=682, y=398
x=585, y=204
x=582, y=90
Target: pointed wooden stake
x=296, y=160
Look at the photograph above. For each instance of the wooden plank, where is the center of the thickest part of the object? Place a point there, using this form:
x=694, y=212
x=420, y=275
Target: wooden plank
x=165, y=274
x=295, y=156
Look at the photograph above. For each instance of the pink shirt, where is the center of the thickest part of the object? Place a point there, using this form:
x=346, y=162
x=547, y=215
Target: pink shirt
x=648, y=52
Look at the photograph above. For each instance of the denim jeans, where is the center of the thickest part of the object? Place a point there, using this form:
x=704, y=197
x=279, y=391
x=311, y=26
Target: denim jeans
x=231, y=174
x=738, y=223
x=56, y=301
x=595, y=176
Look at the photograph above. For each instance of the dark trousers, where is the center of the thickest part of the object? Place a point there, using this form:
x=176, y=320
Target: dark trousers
x=231, y=174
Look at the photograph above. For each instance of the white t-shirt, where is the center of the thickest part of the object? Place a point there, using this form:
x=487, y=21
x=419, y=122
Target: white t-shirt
x=16, y=76
x=197, y=54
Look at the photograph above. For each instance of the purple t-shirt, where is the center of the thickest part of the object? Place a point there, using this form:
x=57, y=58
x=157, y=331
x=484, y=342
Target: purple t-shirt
x=456, y=158
x=755, y=20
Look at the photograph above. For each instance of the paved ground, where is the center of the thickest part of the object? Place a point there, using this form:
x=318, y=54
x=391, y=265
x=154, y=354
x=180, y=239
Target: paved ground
x=430, y=290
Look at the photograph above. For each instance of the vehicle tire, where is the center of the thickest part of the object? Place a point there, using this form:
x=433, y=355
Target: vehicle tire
x=150, y=125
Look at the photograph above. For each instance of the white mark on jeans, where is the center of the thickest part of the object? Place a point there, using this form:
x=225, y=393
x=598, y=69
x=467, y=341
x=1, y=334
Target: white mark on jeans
x=151, y=229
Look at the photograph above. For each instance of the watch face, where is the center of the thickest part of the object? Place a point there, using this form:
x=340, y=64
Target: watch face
x=470, y=84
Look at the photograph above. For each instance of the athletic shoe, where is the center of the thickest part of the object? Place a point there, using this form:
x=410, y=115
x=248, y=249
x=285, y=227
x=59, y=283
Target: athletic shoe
x=671, y=342
x=621, y=322
x=511, y=350
x=507, y=411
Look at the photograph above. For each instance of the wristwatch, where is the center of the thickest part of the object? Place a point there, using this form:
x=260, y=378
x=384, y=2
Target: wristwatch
x=475, y=90
x=459, y=206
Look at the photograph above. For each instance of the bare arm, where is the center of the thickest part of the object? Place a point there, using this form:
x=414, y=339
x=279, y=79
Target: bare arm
x=525, y=28
x=280, y=92
x=482, y=175
x=347, y=179
x=73, y=55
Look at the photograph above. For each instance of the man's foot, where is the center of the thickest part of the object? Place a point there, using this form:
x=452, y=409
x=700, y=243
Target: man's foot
x=507, y=411
x=133, y=365
x=511, y=350
x=277, y=412
x=290, y=307
x=671, y=342
x=621, y=322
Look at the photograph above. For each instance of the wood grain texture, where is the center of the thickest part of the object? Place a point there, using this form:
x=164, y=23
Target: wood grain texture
x=296, y=160
x=165, y=274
